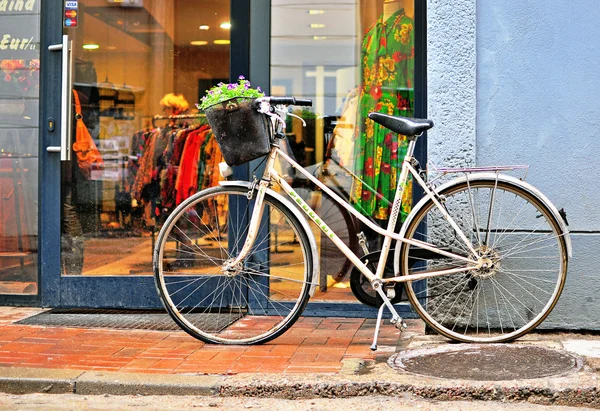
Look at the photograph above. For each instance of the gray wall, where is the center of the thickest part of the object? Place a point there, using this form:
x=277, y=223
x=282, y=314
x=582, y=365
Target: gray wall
x=537, y=102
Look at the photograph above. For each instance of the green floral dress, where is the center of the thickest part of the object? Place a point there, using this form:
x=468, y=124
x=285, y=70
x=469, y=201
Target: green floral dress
x=388, y=73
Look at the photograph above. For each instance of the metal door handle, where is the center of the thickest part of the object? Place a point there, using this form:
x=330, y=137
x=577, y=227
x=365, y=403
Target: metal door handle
x=66, y=100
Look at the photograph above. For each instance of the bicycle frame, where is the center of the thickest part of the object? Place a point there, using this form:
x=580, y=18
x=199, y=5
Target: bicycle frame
x=270, y=175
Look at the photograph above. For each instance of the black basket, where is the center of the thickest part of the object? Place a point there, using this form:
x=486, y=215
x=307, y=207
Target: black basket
x=242, y=132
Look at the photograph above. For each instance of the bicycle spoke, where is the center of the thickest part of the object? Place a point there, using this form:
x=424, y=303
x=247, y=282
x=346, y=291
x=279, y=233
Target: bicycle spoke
x=261, y=296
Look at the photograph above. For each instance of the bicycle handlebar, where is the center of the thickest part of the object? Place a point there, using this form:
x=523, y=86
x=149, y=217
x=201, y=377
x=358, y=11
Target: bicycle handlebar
x=288, y=101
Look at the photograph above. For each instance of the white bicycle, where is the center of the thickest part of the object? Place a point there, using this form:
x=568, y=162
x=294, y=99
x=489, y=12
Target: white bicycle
x=483, y=257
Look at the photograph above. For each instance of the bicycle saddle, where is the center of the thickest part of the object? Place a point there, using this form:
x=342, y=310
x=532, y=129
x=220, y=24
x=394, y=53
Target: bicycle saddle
x=402, y=125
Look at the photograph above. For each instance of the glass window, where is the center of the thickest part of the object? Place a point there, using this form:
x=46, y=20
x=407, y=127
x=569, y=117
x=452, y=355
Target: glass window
x=140, y=68
x=350, y=58
x=19, y=103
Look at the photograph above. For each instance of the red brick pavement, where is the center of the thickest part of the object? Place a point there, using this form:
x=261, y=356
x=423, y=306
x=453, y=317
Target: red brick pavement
x=312, y=345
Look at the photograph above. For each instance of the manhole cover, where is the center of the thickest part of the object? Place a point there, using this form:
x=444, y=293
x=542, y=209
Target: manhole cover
x=490, y=362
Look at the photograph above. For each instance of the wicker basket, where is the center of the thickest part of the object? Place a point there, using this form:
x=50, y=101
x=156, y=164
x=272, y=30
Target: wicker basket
x=243, y=134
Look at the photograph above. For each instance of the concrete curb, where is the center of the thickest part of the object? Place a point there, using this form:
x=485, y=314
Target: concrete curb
x=578, y=389
x=34, y=380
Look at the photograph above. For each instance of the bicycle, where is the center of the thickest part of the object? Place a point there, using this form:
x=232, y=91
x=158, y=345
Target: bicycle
x=483, y=256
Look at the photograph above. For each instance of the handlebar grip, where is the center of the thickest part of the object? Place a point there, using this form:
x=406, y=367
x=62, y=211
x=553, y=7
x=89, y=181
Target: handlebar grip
x=290, y=101
x=303, y=102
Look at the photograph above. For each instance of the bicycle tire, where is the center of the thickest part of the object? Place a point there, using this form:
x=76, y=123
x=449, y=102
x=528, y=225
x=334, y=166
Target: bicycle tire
x=245, y=305
x=527, y=261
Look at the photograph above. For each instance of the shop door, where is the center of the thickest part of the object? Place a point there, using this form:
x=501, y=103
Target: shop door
x=132, y=65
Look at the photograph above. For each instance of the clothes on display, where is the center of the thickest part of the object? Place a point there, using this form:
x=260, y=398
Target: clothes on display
x=387, y=65
x=169, y=165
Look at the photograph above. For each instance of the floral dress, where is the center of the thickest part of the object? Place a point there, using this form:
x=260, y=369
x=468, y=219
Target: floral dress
x=388, y=72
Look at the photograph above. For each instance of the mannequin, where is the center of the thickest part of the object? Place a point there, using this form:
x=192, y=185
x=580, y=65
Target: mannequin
x=392, y=6
x=387, y=66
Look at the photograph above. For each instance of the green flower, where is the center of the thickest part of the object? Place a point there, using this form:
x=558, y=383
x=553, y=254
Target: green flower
x=223, y=92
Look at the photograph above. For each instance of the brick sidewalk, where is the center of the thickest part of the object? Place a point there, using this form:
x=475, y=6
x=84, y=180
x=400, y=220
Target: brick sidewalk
x=312, y=345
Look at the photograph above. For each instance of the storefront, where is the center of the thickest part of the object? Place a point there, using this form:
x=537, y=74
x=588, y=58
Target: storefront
x=79, y=231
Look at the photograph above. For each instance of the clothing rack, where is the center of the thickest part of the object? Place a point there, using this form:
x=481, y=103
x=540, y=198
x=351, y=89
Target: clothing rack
x=177, y=117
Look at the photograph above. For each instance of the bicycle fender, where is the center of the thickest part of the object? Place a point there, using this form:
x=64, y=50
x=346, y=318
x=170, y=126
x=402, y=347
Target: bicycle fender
x=500, y=177
x=287, y=203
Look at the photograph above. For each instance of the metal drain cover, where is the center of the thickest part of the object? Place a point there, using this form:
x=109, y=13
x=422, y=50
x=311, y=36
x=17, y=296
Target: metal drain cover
x=489, y=362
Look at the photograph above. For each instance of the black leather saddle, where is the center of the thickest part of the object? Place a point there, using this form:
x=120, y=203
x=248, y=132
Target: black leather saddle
x=402, y=125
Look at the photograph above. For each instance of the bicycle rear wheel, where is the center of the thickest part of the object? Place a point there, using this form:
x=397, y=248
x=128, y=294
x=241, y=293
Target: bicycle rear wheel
x=526, y=253
x=252, y=303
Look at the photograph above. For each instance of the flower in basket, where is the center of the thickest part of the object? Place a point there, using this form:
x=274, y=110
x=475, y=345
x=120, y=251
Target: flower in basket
x=242, y=133
x=223, y=92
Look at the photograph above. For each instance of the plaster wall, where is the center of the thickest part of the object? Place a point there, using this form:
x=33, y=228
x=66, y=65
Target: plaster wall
x=515, y=82
x=537, y=98
x=451, y=86
x=537, y=104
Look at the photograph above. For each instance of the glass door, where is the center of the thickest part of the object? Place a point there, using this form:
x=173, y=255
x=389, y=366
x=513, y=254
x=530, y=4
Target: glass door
x=131, y=74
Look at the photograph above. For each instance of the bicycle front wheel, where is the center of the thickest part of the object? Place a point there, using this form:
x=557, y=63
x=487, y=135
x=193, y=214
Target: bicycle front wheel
x=526, y=261
x=251, y=303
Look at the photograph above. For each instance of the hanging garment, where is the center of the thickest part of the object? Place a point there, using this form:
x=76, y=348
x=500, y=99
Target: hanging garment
x=212, y=157
x=168, y=191
x=187, y=178
x=143, y=175
x=88, y=155
x=388, y=71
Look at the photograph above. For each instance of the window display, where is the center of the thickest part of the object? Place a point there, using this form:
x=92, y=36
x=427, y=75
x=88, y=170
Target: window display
x=351, y=59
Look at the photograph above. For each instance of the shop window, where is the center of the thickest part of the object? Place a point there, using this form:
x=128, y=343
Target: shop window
x=350, y=58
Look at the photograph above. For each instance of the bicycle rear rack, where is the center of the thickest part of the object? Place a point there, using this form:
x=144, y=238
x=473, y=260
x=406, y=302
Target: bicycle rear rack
x=445, y=170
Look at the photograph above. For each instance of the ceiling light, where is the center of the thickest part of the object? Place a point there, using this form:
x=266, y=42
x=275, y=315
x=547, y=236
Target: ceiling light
x=316, y=26
x=226, y=25
x=319, y=37
x=198, y=43
x=221, y=41
x=91, y=46
x=316, y=12
x=203, y=27
x=111, y=47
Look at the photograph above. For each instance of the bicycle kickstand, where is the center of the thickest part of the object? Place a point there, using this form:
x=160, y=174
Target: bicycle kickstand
x=396, y=319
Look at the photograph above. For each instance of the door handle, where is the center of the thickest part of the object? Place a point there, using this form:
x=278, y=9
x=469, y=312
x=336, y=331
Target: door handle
x=66, y=99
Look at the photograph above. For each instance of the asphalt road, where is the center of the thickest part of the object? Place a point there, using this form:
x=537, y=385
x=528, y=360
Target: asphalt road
x=58, y=402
